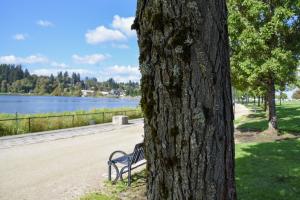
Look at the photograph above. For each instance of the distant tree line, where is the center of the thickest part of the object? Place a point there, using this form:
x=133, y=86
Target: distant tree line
x=14, y=79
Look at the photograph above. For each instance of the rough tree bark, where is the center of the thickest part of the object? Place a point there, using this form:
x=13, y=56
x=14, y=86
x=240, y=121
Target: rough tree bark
x=186, y=99
x=272, y=117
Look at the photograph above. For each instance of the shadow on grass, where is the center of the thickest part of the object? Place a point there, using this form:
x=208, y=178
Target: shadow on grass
x=251, y=125
x=288, y=120
x=268, y=170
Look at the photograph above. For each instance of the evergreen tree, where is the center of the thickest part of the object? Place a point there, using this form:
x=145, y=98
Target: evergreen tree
x=26, y=73
x=4, y=86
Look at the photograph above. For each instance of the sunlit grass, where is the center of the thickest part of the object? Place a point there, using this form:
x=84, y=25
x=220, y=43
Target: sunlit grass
x=288, y=115
x=263, y=171
x=51, y=121
x=268, y=170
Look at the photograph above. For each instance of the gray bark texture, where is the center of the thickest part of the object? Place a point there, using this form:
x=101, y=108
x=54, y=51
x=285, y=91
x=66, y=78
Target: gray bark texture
x=186, y=99
x=272, y=117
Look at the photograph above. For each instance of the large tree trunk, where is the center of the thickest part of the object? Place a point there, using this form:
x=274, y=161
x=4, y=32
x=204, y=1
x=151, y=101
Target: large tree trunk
x=272, y=118
x=186, y=99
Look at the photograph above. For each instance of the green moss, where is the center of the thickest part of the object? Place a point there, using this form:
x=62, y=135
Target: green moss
x=184, y=143
x=135, y=25
x=145, y=47
x=157, y=21
x=164, y=190
x=175, y=86
x=186, y=56
x=153, y=131
x=174, y=131
x=147, y=100
x=170, y=162
x=179, y=38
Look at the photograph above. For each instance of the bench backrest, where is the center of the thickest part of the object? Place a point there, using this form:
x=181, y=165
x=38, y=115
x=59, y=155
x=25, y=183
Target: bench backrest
x=138, y=153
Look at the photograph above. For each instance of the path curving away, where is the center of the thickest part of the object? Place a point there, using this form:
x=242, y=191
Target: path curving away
x=241, y=110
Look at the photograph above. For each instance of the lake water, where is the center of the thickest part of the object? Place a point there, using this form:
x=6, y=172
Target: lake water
x=46, y=104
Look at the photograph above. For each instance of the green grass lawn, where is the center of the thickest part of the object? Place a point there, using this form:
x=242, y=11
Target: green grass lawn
x=52, y=121
x=288, y=119
x=97, y=196
x=268, y=170
x=264, y=171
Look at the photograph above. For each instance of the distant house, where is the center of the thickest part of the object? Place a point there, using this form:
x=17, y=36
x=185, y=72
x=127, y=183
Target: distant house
x=86, y=93
x=114, y=92
x=118, y=92
x=122, y=93
x=104, y=93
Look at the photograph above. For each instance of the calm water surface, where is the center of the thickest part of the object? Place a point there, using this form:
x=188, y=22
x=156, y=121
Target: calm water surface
x=46, y=104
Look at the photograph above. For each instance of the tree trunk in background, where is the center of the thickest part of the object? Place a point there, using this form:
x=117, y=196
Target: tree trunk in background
x=280, y=96
x=258, y=101
x=254, y=100
x=186, y=99
x=272, y=118
x=265, y=103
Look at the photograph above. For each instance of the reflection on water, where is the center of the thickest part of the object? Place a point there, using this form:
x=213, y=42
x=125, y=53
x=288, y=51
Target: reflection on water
x=45, y=104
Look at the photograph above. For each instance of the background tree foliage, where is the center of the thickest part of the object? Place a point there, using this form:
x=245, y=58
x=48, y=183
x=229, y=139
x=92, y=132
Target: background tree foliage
x=13, y=79
x=264, y=39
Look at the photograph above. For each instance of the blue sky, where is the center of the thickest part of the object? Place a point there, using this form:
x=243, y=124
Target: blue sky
x=92, y=37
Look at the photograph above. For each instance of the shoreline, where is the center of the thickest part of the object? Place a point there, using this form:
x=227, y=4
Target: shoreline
x=4, y=116
x=49, y=95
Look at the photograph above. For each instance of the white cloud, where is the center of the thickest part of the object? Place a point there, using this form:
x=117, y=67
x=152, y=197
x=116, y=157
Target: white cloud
x=124, y=24
x=44, y=23
x=102, y=34
x=59, y=65
x=121, y=73
x=48, y=72
x=124, y=69
x=90, y=59
x=12, y=59
x=20, y=36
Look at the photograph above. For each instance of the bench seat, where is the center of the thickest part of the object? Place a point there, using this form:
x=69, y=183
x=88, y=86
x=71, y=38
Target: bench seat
x=131, y=161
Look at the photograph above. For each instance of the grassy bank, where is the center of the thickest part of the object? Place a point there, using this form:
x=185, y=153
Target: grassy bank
x=288, y=115
x=11, y=124
x=263, y=171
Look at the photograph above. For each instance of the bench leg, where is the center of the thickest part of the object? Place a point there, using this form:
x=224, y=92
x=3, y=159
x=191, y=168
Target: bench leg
x=109, y=172
x=129, y=175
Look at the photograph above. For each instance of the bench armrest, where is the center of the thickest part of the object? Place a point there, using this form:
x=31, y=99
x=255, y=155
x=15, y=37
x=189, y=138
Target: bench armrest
x=116, y=152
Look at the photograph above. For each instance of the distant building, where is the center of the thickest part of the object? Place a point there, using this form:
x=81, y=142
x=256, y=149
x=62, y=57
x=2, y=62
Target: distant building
x=86, y=93
x=114, y=92
x=104, y=93
x=118, y=92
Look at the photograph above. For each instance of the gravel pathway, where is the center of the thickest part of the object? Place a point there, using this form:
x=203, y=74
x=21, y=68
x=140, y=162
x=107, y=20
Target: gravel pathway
x=63, y=164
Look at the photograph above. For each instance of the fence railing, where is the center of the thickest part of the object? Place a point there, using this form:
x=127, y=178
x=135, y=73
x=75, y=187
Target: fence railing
x=20, y=125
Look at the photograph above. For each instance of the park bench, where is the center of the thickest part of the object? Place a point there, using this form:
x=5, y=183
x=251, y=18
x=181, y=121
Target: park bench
x=127, y=161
